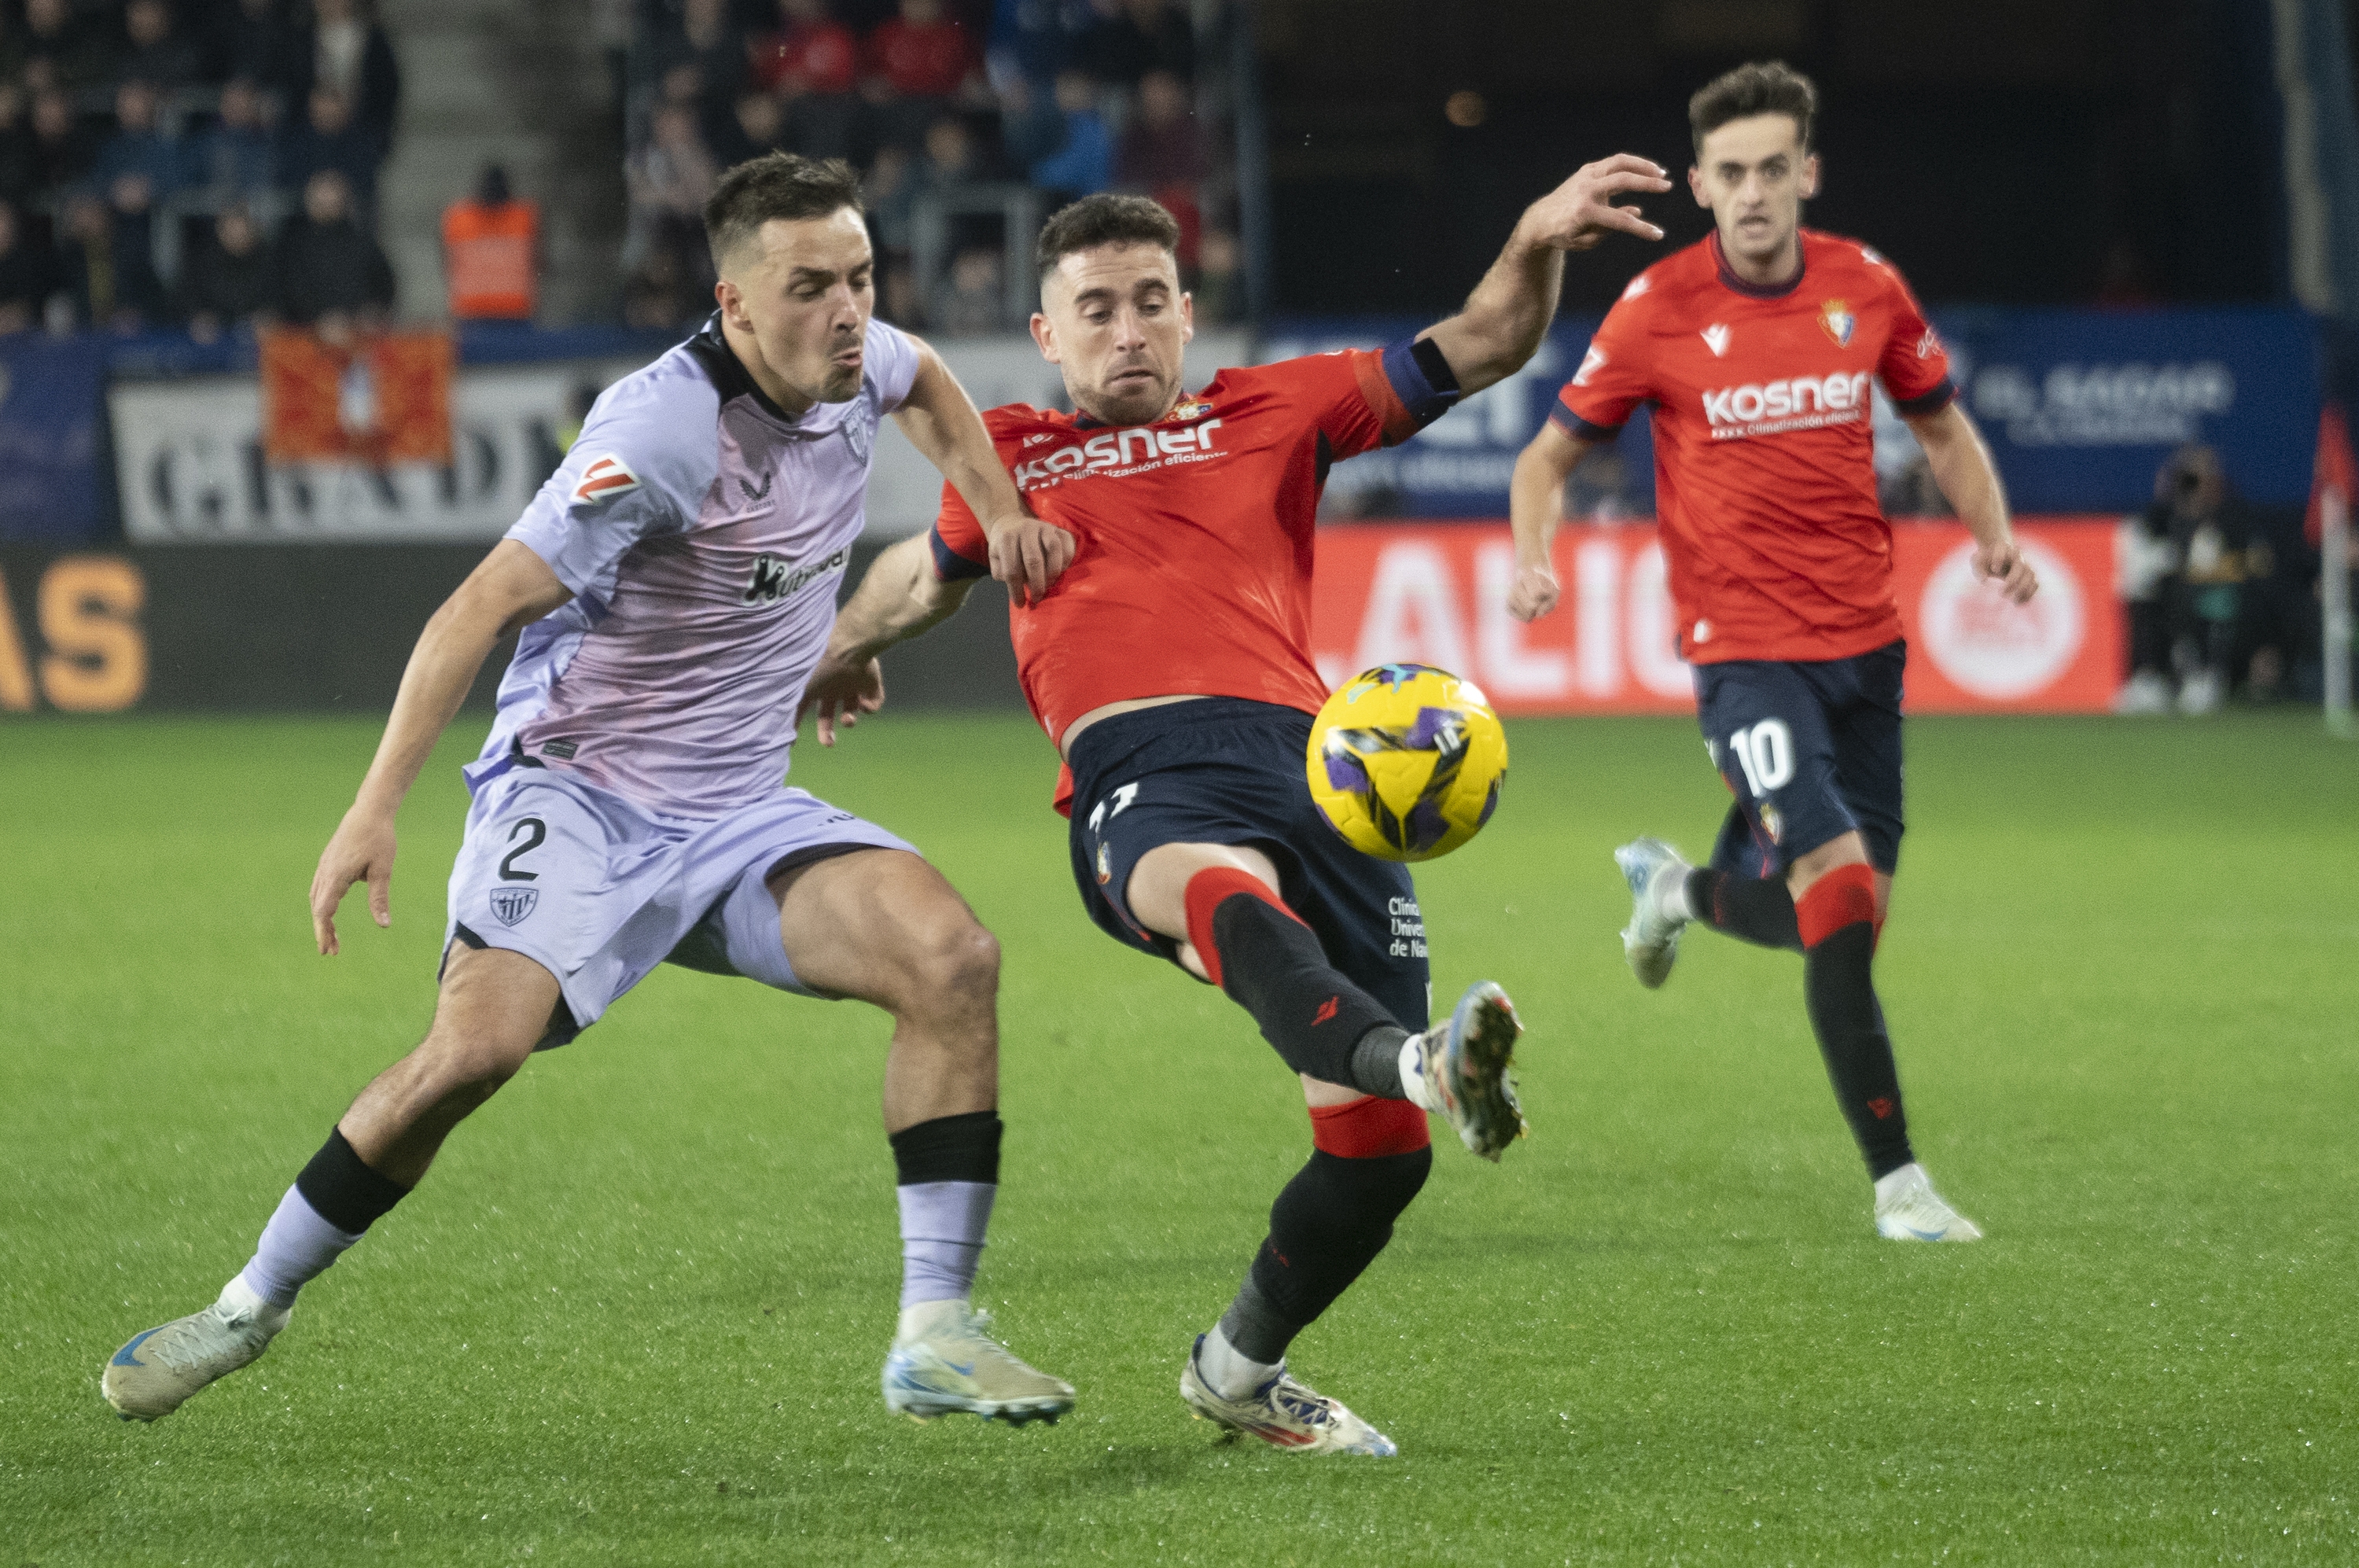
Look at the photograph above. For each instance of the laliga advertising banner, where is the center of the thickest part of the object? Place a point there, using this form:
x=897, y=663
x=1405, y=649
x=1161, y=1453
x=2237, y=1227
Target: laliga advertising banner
x=1437, y=594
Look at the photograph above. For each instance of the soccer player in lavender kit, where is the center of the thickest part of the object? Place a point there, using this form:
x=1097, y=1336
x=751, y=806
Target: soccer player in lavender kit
x=1754, y=348
x=675, y=581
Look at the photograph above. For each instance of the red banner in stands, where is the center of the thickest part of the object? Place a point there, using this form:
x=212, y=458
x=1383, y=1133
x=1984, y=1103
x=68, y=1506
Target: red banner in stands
x=379, y=398
x=1437, y=594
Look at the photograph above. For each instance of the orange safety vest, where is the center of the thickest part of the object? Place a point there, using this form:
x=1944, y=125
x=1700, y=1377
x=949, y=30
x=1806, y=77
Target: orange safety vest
x=487, y=253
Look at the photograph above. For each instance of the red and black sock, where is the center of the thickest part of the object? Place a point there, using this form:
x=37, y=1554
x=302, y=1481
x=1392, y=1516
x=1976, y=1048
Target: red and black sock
x=1260, y=952
x=1754, y=908
x=1837, y=927
x=1369, y=1159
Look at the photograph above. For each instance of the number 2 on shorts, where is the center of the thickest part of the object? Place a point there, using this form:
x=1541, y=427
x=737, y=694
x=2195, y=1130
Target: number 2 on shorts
x=510, y=870
x=1766, y=752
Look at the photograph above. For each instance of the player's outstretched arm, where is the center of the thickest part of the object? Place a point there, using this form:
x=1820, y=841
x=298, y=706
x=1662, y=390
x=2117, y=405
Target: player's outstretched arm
x=510, y=587
x=939, y=420
x=1535, y=507
x=1969, y=480
x=1508, y=313
x=900, y=597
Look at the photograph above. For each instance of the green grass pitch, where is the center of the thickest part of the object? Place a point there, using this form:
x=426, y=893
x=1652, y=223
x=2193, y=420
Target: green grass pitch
x=636, y=1316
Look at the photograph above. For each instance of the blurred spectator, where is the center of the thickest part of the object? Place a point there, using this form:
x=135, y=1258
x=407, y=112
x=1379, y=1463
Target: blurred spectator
x=707, y=42
x=810, y=52
x=137, y=147
x=161, y=53
x=238, y=156
x=331, y=139
x=1911, y=491
x=949, y=161
x=1030, y=127
x=62, y=51
x=227, y=280
x=813, y=64
x=1031, y=40
x=1161, y=146
x=27, y=275
x=920, y=62
x=62, y=149
x=670, y=177
x=1132, y=38
x=103, y=263
x=330, y=274
x=257, y=46
x=348, y=54
x=1082, y=164
x=491, y=252
x=975, y=300
x=1220, y=292
x=759, y=125
x=20, y=168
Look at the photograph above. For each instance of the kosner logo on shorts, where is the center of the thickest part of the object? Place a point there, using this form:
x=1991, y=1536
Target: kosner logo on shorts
x=1798, y=403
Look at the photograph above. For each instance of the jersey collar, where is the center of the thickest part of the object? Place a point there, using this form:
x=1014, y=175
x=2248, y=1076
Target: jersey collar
x=721, y=362
x=1729, y=279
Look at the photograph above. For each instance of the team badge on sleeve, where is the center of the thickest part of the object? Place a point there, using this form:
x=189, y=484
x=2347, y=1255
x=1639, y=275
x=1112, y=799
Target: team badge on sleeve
x=1590, y=363
x=1836, y=317
x=603, y=480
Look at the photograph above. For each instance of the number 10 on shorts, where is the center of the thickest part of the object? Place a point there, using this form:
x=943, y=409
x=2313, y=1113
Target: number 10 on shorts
x=1766, y=752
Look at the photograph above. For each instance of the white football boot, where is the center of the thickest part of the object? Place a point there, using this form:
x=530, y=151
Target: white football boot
x=942, y=1363
x=156, y=1372
x=1908, y=1209
x=1651, y=941
x=1459, y=1071
x=1283, y=1413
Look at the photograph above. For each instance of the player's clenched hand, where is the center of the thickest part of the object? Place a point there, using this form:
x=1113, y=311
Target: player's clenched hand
x=1577, y=213
x=361, y=851
x=840, y=690
x=2002, y=562
x=1028, y=555
x=1534, y=593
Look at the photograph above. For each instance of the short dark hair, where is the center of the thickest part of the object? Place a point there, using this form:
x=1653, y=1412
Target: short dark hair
x=1103, y=219
x=774, y=185
x=1761, y=88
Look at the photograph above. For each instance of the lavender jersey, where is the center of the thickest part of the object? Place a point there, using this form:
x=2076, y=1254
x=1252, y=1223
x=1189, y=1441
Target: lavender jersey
x=703, y=533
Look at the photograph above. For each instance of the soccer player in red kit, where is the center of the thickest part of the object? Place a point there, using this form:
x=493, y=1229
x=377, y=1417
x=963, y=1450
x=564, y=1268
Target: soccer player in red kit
x=1756, y=349
x=1161, y=618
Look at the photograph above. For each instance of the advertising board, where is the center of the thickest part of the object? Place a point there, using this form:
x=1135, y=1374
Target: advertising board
x=1437, y=594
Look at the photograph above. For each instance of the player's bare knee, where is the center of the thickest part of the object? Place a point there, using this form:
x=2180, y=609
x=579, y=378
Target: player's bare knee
x=952, y=970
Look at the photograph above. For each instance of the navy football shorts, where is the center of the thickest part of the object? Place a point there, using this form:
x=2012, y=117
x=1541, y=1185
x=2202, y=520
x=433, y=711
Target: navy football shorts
x=1811, y=751
x=1229, y=772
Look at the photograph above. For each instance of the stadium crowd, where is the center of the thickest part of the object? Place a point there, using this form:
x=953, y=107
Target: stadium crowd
x=203, y=162
x=966, y=120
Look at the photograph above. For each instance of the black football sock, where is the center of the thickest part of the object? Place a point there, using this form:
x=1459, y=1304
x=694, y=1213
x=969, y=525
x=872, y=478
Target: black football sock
x=333, y=1200
x=1258, y=950
x=1752, y=908
x=1326, y=1227
x=1837, y=920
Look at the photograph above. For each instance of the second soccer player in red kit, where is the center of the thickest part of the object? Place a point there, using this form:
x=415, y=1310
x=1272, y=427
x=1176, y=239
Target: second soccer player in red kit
x=1755, y=350
x=1161, y=626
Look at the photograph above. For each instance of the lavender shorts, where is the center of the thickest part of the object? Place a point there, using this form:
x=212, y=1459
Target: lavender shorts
x=599, y=891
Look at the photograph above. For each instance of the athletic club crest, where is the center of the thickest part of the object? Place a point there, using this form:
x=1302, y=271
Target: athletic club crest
x=513, y=904
x=1836, y=317
x=859, y=428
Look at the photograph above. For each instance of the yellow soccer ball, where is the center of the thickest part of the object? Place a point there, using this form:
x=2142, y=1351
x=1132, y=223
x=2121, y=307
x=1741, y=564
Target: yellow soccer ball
x=1406, y=761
